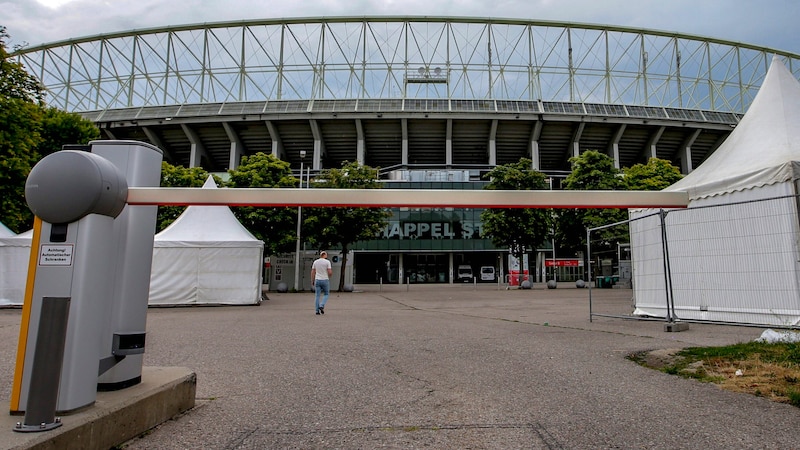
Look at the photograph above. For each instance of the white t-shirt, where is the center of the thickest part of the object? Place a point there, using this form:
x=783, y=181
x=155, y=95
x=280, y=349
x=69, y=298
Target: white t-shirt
x=321, y=267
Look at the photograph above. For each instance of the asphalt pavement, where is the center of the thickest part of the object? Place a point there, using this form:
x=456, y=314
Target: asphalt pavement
x=441, y=367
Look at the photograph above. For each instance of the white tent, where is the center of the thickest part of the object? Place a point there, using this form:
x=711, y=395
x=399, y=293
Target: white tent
x=15, y=251
x=206, y=257
x=5, y=232
x=731, y=264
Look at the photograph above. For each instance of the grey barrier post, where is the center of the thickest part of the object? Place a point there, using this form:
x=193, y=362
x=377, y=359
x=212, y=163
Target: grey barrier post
x=46, y=370
x=75, y=196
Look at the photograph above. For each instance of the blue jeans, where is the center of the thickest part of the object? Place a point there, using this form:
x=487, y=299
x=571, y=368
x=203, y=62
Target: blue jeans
x=321, y=287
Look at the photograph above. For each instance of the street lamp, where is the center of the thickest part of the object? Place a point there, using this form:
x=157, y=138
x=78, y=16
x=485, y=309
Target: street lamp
x=299, y=221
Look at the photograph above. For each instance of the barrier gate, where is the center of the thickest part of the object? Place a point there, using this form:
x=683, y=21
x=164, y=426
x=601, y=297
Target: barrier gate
x=85, y=307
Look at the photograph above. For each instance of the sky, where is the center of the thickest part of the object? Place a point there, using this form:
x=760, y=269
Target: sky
x=768, y=23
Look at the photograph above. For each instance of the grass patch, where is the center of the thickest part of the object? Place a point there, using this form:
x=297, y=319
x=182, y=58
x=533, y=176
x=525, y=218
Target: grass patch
x=770, y=370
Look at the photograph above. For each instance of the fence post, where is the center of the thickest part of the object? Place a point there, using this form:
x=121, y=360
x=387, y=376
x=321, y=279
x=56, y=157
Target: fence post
x=667, y=270
x=589, y=267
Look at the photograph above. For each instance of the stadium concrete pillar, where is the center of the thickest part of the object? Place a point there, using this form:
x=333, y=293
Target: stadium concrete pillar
x=613, y=146
x=493, y=143
x=652, y=144
x=685, y=152
x=448, y=144
x=404, y=148
x=198, y=150
x=575, y=145
x=319, y=145
x=109, y=133
x=360, y=143
x=155, y=139
x=277, y=144
x=236, y=146
x=536, y=133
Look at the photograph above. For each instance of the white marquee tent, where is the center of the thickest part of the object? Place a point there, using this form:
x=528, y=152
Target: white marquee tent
x=5, y=232
x=737, y=263
x=15, y=251
x=206, y=257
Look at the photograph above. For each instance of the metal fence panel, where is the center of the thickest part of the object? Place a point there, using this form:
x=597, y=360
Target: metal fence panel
x=734, y=263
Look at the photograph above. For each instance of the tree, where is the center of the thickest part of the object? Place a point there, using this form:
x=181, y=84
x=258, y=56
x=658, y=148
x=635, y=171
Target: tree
x=60, y=127
x=275, y=226
x=327, y=227
x=177, y=176
x=519, y=229
x=20, y=115
x=591, y=171
x=656, y=175
x=15, y=82
x=29, y=131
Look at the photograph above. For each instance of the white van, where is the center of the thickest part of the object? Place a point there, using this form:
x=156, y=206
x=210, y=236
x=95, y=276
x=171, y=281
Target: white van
x=487, y=273
x=464, y=273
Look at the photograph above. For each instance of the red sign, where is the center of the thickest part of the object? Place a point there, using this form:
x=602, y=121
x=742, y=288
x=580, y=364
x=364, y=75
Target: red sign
x=513, y=277
x=563, y=262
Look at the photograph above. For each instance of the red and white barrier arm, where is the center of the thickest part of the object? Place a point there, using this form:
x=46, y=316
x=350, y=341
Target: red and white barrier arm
x=412, y=198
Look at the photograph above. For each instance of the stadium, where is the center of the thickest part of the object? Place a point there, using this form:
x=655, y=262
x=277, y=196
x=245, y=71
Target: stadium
x=433, y=102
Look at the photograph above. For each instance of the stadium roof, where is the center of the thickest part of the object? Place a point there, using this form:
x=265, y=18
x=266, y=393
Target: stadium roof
x=408, y=91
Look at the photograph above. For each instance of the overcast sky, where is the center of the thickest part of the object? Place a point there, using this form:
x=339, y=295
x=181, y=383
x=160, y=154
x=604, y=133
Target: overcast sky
x=771, y=23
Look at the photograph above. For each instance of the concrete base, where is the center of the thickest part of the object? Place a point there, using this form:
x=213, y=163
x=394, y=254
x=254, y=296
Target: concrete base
x=116, y=416
x=675, y=327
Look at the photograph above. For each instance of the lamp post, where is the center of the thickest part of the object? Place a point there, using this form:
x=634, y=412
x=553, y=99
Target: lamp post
x=299, y=221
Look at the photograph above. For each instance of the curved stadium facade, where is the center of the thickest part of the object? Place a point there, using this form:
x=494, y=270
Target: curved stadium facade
x=432, y=102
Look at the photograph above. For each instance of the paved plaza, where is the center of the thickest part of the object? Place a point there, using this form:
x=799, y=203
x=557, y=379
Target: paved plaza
x=440, y=367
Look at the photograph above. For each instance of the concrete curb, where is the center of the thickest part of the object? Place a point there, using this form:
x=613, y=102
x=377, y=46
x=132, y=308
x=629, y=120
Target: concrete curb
x=116, y=417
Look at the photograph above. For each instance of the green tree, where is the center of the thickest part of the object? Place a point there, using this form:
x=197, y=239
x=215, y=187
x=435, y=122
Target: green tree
x=275, y=226
x=334, y=226
x=60, y=127
x=28, y=131
x=177, y=176
x=591, y=171
x=519, y=229
x=20, y=124
x=656, y=175
x=15, y=82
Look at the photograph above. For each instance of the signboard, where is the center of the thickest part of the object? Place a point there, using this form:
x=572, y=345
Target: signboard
x=432, y=230
x=563, y=262
x=514, y=269
x=56, y=255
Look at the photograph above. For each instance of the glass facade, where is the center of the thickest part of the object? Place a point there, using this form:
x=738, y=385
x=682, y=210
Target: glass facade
x=424, y=245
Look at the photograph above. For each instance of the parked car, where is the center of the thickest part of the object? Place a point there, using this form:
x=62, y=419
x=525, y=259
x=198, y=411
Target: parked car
x=464, y=273
x=487, y=273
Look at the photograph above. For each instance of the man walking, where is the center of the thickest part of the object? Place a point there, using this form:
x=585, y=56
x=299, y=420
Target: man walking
x=321, y=272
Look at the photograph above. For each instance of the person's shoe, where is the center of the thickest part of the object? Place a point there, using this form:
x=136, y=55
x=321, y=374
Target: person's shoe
x=318, y=312
x=322, y=310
